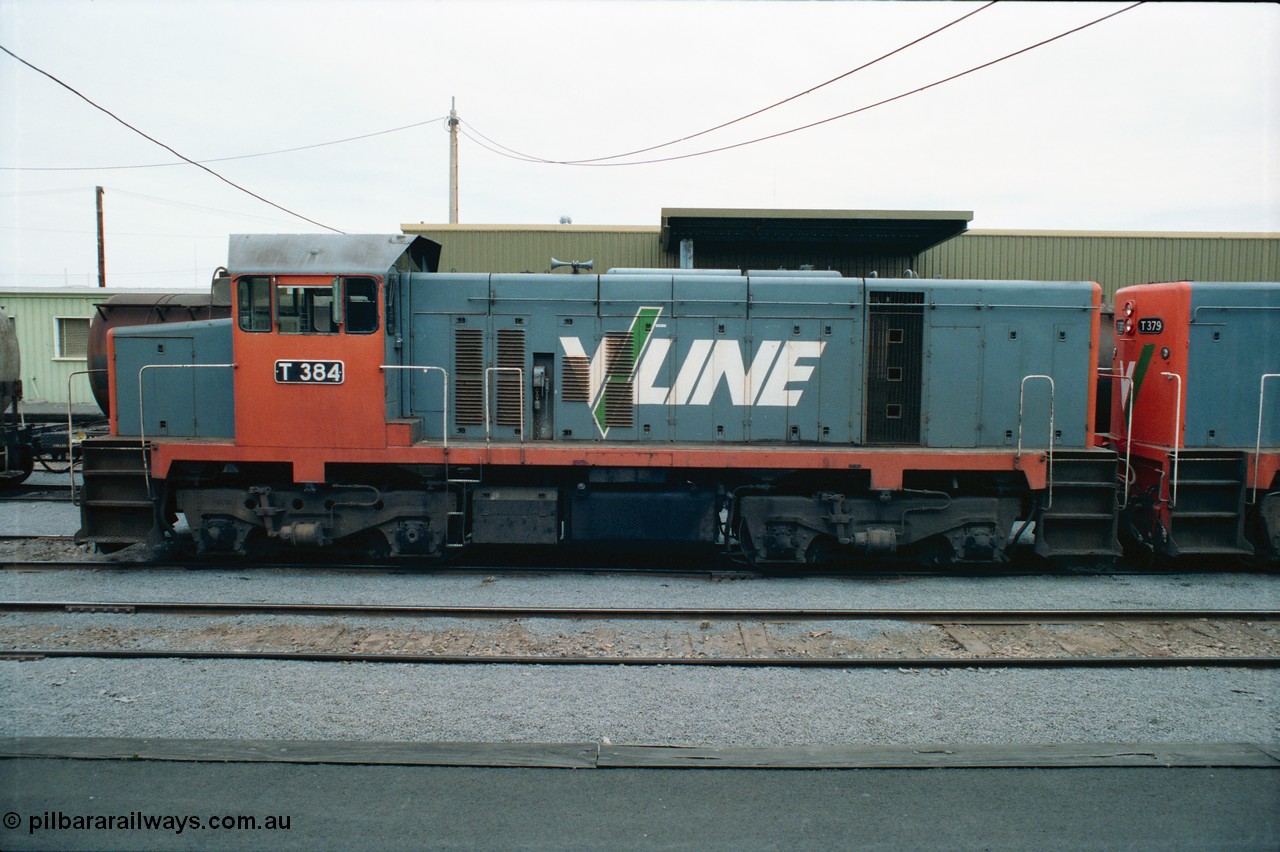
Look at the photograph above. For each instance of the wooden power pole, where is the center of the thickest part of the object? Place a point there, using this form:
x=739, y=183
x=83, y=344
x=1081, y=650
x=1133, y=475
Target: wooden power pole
x=453, y=162
x=102, y=246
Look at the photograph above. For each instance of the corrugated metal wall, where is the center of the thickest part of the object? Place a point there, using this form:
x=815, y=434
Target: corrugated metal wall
x=44, y=375
x=795, y=256
x=471, y=248
x=1113, y=260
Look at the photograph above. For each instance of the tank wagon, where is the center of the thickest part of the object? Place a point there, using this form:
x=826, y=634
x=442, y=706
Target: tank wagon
x=358, y=396
x=125, y=309
x=1196, y=418
x=17, y=456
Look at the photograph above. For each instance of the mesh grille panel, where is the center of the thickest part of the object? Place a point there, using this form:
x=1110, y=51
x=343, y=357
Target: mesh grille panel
x=510, y=355
x=468, y=365
x=620, y=361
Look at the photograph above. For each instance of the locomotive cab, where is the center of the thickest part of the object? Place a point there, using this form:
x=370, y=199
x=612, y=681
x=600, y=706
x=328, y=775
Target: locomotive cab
x=309, y=349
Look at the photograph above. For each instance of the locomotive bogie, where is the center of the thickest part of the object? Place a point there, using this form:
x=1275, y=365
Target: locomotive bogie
x=919, y=526
x=240, y=521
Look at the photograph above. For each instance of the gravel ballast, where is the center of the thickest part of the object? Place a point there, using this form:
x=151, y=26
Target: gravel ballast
x=663, y=705
x=653, y=705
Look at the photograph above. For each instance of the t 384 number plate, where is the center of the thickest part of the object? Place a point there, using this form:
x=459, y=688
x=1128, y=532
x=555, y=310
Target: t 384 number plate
x=310, y=372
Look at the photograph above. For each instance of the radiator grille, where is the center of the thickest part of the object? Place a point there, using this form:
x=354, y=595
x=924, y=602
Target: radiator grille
x=576, y=384
x=619, y=363
x=468, y=367
x=510, y=355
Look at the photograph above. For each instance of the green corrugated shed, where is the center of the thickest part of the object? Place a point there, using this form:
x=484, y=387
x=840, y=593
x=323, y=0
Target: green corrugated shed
x=1113, y=259
x=52, y=326
x=47, y=358
x=530, y=248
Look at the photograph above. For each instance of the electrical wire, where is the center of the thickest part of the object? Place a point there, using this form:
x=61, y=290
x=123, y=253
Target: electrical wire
x=754, y=113
x=501, y=150
x=173, y=202
x=117, y=118
x=222, y=159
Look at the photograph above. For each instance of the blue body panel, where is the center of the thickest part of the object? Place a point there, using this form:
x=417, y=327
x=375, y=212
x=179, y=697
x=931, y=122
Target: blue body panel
x=180, y=401
x=657, y=358
x=1233, y=340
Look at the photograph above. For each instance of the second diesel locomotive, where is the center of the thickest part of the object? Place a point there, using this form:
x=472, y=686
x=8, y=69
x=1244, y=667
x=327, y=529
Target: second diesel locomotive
x=358, y=396
x=1196, y=418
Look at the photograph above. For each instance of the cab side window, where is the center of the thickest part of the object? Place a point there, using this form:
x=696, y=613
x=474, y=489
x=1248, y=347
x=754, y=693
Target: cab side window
x=305, y=309
x=361, y=305
x=253, y=303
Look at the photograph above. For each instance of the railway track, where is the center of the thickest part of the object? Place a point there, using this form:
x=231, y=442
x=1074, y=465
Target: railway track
x=983, y=638
x=911, y=663
x=721, y=570
x=949, y=616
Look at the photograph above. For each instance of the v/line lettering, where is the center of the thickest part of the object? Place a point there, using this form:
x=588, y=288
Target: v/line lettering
x=770, y=378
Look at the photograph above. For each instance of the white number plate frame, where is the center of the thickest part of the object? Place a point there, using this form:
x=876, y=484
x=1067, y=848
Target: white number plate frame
x=310, y=372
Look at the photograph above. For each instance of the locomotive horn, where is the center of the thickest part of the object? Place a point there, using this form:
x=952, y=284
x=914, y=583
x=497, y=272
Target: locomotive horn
x=576, y=264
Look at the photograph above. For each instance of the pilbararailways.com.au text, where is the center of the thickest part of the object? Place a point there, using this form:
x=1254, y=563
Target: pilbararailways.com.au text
x=139, y=821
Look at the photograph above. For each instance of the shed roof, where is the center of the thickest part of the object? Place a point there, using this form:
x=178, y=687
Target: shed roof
x=882, y=232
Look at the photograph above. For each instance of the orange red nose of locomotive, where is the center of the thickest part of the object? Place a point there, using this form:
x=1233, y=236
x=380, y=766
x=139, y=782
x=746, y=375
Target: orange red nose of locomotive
x=1196, y=414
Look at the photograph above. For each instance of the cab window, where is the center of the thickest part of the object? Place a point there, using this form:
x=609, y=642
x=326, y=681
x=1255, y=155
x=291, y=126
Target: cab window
x=305, y=309
x=361, y=305
x=253, y=303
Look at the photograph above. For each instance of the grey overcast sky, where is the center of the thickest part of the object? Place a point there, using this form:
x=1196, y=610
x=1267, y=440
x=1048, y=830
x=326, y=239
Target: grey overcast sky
x=1162, y=118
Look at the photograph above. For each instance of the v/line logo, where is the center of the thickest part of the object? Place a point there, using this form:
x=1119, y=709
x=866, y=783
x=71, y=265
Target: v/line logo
x=1132, y=375
x=769, y=379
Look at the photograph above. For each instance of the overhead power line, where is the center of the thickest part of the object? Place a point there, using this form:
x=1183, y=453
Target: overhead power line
x=180, y=156
x=505, y=151
x=222, y=159
x=762, y=110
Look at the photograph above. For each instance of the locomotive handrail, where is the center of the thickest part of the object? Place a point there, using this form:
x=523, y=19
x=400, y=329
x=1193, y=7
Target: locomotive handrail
x=1128, y=431
x=1022, y=393
x=1200, y=308
x=1177, y=437
x=71, y=459
x=519, y=371
x=509, y=298
x=1257, y=447
x=142, y=411
x=980, y=305
x=444, y=426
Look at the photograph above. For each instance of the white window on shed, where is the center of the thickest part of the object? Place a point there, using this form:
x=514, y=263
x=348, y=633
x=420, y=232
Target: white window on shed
x=72, y=335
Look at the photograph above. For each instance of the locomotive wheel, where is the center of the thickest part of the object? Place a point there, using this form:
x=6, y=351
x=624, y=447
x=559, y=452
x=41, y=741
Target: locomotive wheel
x=19, y=474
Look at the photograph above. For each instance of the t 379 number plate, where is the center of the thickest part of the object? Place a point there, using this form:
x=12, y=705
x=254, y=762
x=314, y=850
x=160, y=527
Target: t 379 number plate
x=309, y=372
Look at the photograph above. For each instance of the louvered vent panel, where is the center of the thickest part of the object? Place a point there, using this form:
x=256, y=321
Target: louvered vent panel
x=619, y=353
x=576, y=384
x=468, y=365
x=618, y=410
x=619, y=357
x=510, y=355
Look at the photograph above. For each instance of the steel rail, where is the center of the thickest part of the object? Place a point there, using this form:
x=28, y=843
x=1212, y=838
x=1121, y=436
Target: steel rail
x=721, y=662
x=968, y=616
x=710, y=572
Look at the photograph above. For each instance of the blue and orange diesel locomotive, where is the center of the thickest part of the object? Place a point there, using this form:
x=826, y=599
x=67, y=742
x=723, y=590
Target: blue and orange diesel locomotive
x=1196, y=418
x=357, y=396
